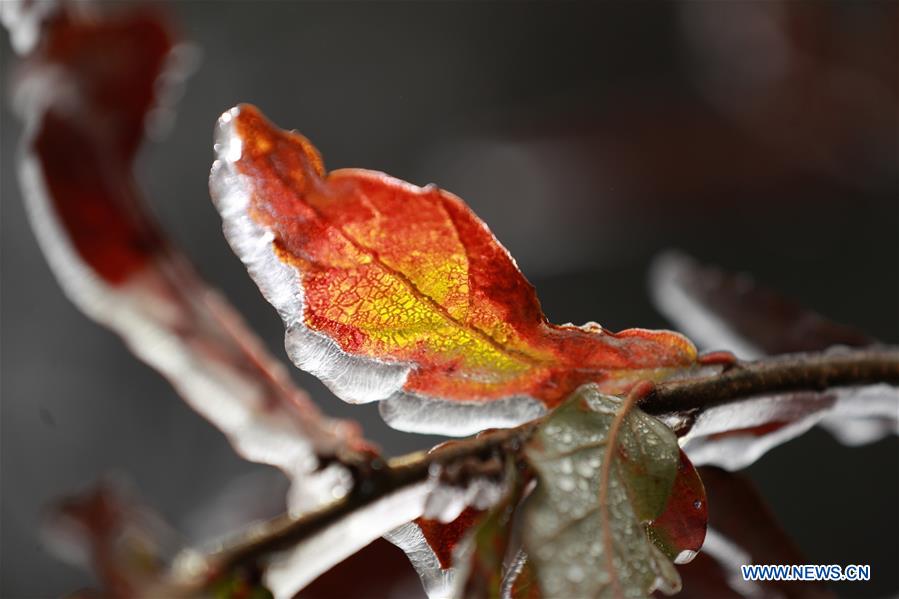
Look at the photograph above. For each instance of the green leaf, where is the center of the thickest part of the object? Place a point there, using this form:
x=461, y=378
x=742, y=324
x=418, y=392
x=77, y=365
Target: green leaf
x=604, y=469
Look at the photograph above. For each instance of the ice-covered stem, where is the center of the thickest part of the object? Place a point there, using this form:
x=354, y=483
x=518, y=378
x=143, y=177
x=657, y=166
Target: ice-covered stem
x=790, y=372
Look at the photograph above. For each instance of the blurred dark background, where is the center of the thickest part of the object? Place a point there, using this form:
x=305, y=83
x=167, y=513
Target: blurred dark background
x=759, y=136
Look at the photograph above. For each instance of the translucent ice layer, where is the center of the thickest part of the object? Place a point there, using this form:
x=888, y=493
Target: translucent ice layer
x=735, y=435
x=732, y=312
x=318, y=553
x=436, y=542
x=84, y=122
x=437, y=579
x=397, y=293
x=726, y=311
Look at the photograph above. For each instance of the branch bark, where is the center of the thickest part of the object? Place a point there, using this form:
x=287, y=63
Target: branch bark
x=778, y=374
x=378, y=479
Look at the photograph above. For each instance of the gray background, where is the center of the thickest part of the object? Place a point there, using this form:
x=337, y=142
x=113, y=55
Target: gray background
x=758, y=136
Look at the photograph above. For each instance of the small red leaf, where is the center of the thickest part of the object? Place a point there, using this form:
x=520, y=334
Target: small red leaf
x=723, y=310
x=680, y=530
x=128, y=546
x=443, y=537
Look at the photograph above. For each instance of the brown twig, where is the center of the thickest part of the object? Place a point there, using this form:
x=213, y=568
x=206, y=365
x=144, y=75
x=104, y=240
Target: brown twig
x=789, y=372
x=793, y=372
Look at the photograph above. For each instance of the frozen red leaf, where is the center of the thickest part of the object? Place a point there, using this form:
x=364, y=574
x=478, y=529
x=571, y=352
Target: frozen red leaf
x=731, y=311
x=400, y=293
x=522, y=583
x=430, y=545
x=379, y=566
x=679, y=530
x=85, y=94
x=482, y=565
x=723, y=310
x=736, y=434
x=128, y=545
x=444, y=537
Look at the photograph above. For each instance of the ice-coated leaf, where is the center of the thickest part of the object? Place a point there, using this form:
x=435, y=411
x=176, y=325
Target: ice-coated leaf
x=431, y=562
x=127, y=545
x=490, y=540
x=735, y=435
x=521, y=581
x=604, y=472
x=679, y=530
x=379, y=566
x=400, y=293
x=316, y=554
x=729, y=311
x=726, y=311
x=439, y=544
x=457, y=502
x=482, y=565
x=429, y=545
x=84, y=95
x=23, y=19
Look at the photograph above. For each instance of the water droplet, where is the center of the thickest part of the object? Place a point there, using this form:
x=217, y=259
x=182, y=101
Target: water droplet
x=575, y=574
x=697, y=504
x=566, y=483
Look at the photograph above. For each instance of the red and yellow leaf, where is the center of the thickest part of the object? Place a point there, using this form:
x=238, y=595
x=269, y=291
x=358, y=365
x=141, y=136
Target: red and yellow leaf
x=389, y=290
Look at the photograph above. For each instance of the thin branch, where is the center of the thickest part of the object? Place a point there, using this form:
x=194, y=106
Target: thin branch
x=792, y=372
x=779, y=374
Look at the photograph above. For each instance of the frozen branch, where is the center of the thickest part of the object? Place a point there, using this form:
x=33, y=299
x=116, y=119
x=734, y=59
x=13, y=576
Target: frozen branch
x=376, y=480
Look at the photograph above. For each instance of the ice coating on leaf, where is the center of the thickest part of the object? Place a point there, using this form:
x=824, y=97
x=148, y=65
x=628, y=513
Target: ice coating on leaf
x=447, y=502
x=126, y=544
x=437, y=578
x=23, y=18
x=84, y=118
x=483, y=557
x=433, y=541
x=394, y=292
x=579, y=545
x=735, y=435
x=354, y=379
x=725, y=311
x=520, y=581
x=679, y=531
x=412, y=412
x=863, y=414
x=318, y=553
